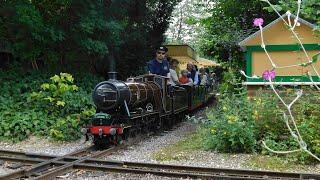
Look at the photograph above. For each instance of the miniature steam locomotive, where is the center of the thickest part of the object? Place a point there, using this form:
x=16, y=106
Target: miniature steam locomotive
x=140, y=105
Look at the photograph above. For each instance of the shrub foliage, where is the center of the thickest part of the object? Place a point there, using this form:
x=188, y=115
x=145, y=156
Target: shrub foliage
x=232, y=129
x=239, y=123
x=56, y=109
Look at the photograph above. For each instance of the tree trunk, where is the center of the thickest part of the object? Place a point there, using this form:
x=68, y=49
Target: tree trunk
x=32, y=65
x=36, y=64
x=62, y=62
x=180, y=26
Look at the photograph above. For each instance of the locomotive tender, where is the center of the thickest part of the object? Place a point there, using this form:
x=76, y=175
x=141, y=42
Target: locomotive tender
x=142, y=104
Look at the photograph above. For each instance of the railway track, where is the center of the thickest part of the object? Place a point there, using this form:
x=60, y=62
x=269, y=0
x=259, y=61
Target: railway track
x=45, y=166
x=61, y=164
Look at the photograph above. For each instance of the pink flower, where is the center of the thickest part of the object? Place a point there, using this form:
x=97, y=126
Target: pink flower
x=258, y=22
x=268, y=75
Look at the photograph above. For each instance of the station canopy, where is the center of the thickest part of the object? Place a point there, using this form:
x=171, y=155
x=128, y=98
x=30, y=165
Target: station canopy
x=185, y=54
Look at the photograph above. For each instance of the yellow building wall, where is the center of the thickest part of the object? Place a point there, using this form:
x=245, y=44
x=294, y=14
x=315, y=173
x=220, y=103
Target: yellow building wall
x=279, y=34
x=260, y=62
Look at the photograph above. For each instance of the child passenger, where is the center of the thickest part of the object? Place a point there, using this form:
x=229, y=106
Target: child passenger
x=184, y=79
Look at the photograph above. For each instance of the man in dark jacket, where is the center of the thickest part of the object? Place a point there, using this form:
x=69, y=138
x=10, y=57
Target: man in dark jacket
x=159, y=65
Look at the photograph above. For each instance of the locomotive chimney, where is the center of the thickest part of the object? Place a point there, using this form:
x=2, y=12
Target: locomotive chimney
x=112, y=75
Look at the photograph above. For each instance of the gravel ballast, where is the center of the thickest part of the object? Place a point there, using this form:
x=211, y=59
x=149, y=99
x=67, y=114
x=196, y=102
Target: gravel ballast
x=45, y=146
x=40, y=146
x=143, y=152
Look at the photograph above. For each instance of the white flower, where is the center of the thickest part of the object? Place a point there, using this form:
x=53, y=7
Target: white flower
x=300, y=92
x=288, y=13
x=303, y=145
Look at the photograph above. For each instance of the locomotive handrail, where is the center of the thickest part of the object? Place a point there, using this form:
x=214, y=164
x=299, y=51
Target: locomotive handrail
x=109, y=100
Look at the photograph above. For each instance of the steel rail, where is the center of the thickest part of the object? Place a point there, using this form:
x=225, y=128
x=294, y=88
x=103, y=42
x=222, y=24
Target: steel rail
x=158, y=169
x=69, y=166
x=191, y=169
x=153, y=171
x=25, y=154
x=114, y=167
x=38, y=167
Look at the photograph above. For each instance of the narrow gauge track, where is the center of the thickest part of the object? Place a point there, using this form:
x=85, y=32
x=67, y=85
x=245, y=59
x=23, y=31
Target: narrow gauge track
x=69, y=162
x=46, y=167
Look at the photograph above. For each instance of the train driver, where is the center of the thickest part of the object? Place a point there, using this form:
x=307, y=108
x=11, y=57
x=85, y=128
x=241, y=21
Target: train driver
x=159, y=65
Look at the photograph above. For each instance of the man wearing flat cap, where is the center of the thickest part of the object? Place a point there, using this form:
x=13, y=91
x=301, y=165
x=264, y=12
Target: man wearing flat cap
x=159, y=65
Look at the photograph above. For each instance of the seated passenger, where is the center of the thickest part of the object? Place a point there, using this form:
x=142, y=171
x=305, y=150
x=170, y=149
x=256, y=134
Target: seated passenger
x=174, y=80
x=197, y=78
x=159, y=65
x=184, y=79
x=203, y=77
x=209, y=79
x=213, y=77
x=192, y=73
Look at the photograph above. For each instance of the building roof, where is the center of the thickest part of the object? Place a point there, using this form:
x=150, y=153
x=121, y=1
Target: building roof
x=206, y=62
x=186, y=54
x=183, y=52
x=300, y=20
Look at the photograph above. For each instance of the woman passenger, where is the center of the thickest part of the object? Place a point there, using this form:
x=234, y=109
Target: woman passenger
x=174, y=80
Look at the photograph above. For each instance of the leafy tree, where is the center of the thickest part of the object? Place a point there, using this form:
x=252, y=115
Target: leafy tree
x=24, y=29
x=103, y=35
x=309, y=10
x=230, y=22
x=147, y=23
x=186, y=17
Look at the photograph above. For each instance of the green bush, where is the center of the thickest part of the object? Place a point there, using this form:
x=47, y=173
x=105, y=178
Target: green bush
x=267, y=114
x=67, y=128
x=306, y=112
x=231, y=127
x=231, y=82
x=238, y=123
x=63, y=100
x=32, y=106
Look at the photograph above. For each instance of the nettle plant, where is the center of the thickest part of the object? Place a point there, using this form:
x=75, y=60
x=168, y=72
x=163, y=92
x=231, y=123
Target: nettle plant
x=270, y=74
